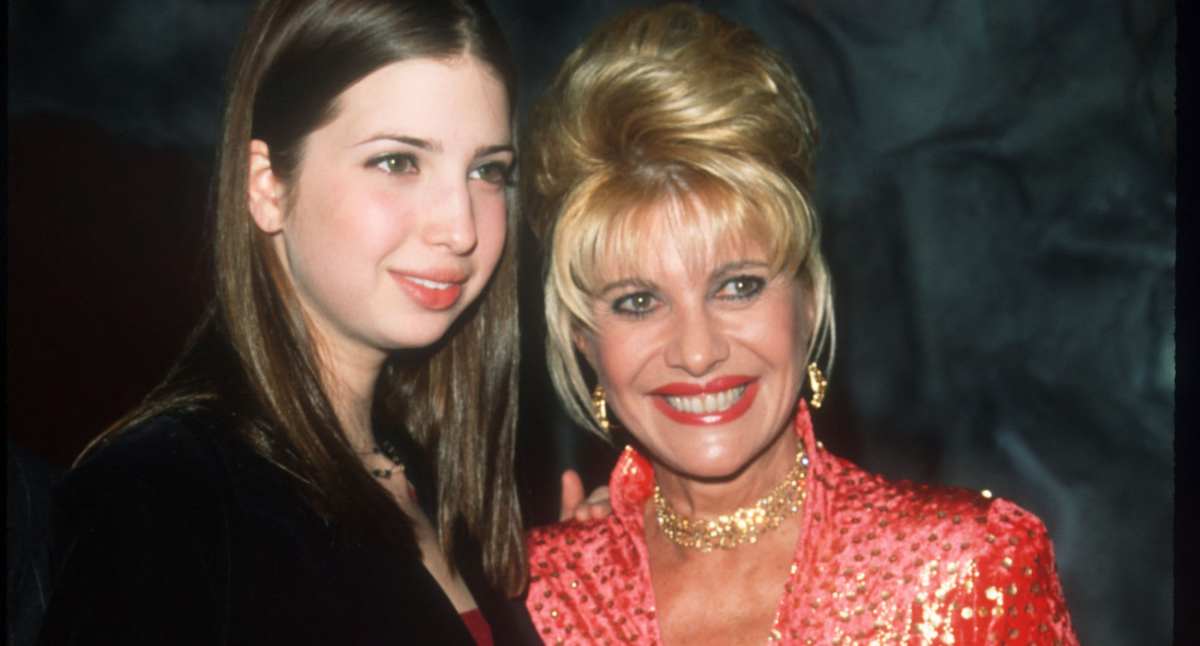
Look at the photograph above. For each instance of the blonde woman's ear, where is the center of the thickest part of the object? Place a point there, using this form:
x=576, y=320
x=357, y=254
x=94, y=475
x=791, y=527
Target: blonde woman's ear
x=582, y=343
x=264, y=192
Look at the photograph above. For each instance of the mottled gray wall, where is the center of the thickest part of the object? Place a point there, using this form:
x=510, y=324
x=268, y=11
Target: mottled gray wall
x=996, y=182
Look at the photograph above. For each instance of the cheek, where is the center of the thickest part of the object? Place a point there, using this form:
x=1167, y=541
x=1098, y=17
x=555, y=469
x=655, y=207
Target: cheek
x=778, y=332
x=775, y=329
x=617, y=372
x=491, y=225
x=778, y=340
x=380, y=216
x=350, y=216
x=622, y=352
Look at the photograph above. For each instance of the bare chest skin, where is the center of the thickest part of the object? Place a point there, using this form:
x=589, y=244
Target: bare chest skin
x=432, y=555
x=719, y=597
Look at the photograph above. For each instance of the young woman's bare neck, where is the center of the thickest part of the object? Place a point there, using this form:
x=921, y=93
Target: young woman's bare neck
x=349, y=381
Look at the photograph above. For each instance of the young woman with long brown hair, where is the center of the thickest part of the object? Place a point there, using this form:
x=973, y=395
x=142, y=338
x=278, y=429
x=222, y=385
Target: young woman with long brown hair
x=330, y=461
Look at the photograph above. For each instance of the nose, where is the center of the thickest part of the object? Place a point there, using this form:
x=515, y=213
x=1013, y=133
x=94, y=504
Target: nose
x=450, y=221
x=699, y=344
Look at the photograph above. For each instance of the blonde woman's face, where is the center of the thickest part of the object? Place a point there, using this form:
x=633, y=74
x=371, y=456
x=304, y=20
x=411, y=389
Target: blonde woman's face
x=397, y=219
x=701, y=361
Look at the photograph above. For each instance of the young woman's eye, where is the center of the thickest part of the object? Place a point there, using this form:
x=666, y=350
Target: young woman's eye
x=497, y=173
x=637, y=304
x=395, y=163
x=741, y=287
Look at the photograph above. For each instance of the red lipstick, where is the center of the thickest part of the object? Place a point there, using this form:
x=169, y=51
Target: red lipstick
x=715, y=386
x=432, y=297
x=684, y=389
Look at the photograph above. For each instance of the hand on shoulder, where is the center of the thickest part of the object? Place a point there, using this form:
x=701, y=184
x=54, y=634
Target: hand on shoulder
x=574, y=505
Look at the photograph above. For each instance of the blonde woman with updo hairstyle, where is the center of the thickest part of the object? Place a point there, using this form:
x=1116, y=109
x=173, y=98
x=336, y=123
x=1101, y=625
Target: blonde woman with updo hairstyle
x=688, y=304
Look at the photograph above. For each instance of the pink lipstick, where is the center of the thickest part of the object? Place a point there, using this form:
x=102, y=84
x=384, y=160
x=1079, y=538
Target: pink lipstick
x=437, y=290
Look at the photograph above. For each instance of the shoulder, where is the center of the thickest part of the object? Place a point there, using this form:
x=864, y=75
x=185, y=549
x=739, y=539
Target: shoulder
x=590, y=573
x=996, y=555
x=166, y=467
x=171, y=446
x=573, y=539
x=143, y=522
x=938, y=514
x=603, y=546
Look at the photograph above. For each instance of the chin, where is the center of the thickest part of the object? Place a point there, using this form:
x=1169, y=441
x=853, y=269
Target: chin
x=422, y=330
x=416, y=339
x=710, y=465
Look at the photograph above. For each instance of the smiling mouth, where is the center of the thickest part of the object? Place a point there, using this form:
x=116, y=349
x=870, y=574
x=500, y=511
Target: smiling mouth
x=431, y=284
x=435, y=295
x=707, y=403
x=718, y=401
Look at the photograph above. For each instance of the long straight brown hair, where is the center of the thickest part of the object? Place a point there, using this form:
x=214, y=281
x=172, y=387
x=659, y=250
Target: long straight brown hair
x=254, y=355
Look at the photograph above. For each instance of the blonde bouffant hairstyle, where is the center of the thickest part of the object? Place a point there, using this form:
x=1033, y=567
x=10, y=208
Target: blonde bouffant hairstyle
x=668, y=120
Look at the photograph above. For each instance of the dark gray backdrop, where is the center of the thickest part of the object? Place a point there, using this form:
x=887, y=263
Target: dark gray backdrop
x=997, y=186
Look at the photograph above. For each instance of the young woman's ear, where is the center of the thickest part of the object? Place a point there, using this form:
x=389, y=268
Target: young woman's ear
x=264, y=191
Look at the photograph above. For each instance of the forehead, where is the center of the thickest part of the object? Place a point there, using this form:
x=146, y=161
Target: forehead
x=454, y=102
x=674, y=237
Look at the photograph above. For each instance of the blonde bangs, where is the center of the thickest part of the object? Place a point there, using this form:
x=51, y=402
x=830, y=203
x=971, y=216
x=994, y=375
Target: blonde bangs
x=702, y=214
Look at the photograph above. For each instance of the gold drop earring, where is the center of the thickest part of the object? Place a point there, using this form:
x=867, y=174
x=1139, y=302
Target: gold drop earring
x=818, y=384
x=600, y=408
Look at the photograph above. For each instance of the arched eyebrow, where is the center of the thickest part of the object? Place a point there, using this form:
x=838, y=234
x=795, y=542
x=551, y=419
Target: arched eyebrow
x=484, y=151
x=415, y=142
x=432, y=145
x=626, y=283
x=738, y=265
x=720, y=272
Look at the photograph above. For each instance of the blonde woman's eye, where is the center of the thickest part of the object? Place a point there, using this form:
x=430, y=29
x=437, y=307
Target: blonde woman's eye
x=497, y=173
x=637, y=304
x=395, y=163
x=741, y=287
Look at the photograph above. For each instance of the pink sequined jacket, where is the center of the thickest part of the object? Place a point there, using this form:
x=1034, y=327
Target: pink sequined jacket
x=878, y=562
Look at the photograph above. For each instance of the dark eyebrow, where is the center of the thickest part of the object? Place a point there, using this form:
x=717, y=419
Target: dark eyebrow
x=416, y=142
x=625, y=283
x=435, y=146
x=738, y=265
x=484, y=151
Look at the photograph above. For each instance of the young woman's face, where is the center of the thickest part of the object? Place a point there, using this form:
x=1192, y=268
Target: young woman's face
x=396, y=218
x=701, y=361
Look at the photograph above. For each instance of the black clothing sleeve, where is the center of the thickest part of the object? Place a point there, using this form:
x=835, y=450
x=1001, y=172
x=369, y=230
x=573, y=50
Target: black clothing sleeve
x=143, y=546
x=177, y=532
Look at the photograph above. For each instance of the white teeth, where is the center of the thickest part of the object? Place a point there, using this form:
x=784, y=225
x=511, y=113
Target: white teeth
x=708, y=403
x=429, y=283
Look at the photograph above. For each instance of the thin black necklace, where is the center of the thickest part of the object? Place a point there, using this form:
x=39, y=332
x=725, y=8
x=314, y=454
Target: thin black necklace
x=392, y=453
x=411, y=461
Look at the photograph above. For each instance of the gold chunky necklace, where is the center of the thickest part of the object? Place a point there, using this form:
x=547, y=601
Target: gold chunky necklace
x=745, y=525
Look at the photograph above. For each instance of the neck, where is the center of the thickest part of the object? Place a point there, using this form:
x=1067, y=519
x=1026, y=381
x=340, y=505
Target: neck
x=707, y=499
x=349, y=382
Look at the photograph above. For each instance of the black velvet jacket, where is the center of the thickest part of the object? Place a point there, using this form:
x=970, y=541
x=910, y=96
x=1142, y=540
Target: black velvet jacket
x=178, y=533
